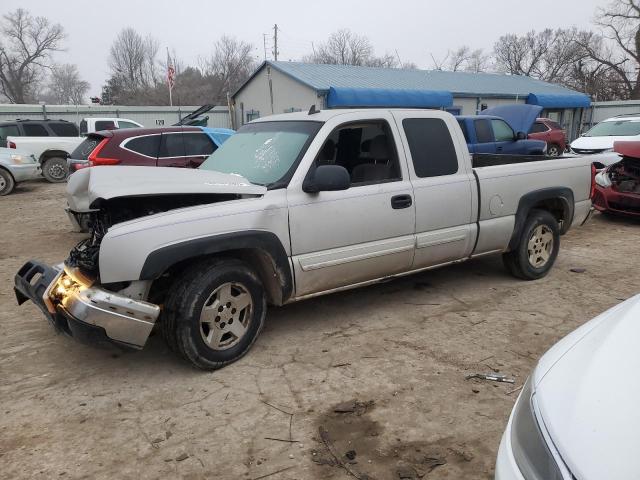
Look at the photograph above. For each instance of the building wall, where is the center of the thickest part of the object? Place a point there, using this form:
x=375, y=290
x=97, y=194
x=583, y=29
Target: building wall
x=147, y=116
x=287, y=94
x=602, y=110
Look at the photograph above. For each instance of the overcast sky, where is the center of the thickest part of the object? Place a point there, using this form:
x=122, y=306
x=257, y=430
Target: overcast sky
x=416, y=29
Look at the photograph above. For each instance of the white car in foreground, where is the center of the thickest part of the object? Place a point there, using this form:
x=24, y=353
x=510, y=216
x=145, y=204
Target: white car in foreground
x=578, y=414
x=600, y=137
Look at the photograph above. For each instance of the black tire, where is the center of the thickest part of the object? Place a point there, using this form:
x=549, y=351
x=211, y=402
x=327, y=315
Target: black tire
x=55, y=170
x=519, y=261
x=553, y=150
x=181, y=324
x=7, y=183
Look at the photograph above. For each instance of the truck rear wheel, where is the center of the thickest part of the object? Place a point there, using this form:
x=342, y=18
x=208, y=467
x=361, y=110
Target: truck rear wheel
x=7, y=183
x=55, y=169
x=537, y=248
x=215, y=314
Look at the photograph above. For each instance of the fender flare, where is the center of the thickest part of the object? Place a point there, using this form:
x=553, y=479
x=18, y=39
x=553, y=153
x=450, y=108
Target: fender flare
x=529, y=200
x=158, y=261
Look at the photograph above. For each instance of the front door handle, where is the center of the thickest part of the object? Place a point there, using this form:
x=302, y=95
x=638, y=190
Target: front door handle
x=401, y=201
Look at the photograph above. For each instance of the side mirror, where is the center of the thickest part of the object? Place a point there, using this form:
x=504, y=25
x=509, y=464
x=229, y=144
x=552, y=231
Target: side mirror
x=327, y=178
x=521, y=136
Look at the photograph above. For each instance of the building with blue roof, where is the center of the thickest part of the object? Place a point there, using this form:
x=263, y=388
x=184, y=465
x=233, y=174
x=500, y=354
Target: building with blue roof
x=278, y=87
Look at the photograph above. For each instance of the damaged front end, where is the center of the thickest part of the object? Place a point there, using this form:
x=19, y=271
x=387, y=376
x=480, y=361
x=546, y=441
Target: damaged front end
x=618, y=187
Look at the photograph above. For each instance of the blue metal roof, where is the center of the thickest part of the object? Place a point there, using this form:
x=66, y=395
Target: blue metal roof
x=321, y=77
x=570, y=100
x=385, y=97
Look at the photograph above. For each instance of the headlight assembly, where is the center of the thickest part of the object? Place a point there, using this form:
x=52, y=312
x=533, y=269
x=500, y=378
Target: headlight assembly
x=531, y=452
x=602, y=179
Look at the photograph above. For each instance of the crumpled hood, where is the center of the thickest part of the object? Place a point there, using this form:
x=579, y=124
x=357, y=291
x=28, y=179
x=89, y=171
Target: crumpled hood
x=89, y=184
x=519, y=117
x=587, y=389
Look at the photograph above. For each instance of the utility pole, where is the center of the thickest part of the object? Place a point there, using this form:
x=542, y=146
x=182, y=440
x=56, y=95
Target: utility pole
x=264, y=43
x=275, y=42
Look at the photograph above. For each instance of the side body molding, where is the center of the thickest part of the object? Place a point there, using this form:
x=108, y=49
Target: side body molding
x=528, y=201
x=250, y=241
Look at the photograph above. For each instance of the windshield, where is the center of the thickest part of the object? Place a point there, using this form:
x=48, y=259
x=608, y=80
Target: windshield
x=265, y=153
x=618, y=128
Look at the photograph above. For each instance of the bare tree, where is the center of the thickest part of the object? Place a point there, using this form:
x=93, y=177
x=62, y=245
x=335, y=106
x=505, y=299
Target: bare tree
x=618, y=48
x=65, y=85
x=230, y=64
x=478, y=61
x=133, y=60
x=26, y=44
x=459, y=58
x=343, y=47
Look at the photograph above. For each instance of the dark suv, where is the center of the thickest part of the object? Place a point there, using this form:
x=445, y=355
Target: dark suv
x=37, y=128
x=185, y=147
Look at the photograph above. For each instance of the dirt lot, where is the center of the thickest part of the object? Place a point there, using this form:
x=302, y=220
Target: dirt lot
x=401, y=349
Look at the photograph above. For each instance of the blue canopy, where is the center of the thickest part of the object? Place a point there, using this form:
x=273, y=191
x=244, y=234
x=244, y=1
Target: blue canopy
x=559, y=100
x=218, y=135
x=520, y=117
x=384, y=97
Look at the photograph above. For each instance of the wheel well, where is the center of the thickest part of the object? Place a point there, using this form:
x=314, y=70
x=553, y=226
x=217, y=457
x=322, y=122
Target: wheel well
x=270, y=275
x=556, y=207
x=51, y=154
x=8, y=171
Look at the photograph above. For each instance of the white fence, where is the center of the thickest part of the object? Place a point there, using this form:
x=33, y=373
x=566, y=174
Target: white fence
x=147, y=116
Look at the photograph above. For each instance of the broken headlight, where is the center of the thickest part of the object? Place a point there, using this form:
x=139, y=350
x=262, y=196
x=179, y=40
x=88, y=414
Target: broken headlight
x=602, y=179
x=530, y=449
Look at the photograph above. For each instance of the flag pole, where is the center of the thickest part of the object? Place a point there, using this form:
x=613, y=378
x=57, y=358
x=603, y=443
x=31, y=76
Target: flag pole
x=169, y=79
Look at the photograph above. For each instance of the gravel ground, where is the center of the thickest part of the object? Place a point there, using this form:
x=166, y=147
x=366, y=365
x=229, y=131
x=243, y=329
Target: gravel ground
x=392, y=357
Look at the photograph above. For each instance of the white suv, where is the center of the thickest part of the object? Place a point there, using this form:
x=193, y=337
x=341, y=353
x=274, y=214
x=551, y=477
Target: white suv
x=601, y=136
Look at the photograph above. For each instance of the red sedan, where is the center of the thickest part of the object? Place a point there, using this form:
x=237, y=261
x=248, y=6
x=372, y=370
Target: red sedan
x=552, y=133
x=617, y=187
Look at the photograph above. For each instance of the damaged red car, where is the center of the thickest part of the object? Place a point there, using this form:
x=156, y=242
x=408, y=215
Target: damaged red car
x=617, y=187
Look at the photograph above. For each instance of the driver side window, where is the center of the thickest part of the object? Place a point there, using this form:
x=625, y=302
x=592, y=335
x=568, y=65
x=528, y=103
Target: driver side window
x=502, y=131
x=366, y=150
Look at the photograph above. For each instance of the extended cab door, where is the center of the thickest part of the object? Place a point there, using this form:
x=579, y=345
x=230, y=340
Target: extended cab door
x=484, y=136
x=366, y=232
x=443, y=184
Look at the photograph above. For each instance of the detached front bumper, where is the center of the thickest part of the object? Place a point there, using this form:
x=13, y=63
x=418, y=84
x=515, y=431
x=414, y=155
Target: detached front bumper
x=86, y=312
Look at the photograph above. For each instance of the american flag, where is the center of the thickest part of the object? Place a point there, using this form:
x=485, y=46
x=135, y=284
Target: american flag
x=171, y=72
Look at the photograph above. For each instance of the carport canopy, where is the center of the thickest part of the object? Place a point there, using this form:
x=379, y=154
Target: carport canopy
x=340, y=97
x=561, y=100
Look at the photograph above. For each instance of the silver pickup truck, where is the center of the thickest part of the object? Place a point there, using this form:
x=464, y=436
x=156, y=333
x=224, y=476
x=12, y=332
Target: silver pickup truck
x=291, y=207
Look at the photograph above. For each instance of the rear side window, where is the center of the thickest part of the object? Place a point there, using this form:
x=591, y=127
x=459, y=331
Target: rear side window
x=147, y=145
x=196, y=144
x=65, y=129
x=555, y=125
x=172, y=145
x=463, y=126
x=125, y=124
x=483, y=131
x=431, y=147
x=502, y=131
x=34, y=130
x=105, y=125
x=8, y=131
x=87, y=146
x=538, y=127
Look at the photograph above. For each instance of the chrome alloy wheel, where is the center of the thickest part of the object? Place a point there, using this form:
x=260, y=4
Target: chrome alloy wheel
x=226, y=315
x=540, y=246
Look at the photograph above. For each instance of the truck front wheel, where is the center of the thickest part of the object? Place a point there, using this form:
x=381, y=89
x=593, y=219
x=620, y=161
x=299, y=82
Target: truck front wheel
x=55, y=169
x=537, y=248
x=215, y=313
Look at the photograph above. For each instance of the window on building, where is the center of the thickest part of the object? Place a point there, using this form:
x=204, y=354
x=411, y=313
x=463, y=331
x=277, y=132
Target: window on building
x=366, y=150
x=432, y=150
x=34, y=130
x=502, y=131
x=64, y=129
x=483, y=131
x=147, y=145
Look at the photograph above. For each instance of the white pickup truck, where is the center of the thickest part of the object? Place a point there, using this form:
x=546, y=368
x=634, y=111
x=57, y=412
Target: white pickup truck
x=291, y=207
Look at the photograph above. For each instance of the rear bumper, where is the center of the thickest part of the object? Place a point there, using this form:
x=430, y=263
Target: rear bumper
x=88, y=313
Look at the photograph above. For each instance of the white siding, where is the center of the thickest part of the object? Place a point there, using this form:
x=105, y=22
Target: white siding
x=287, y=93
